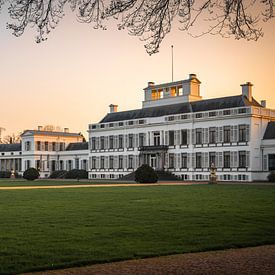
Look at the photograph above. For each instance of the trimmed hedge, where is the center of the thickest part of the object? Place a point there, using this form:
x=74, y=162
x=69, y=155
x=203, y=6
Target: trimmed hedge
x=271, y=176
x=31, y=174
x=76, y=174
x=59, y=174
x=5, y=174
x=146, y=174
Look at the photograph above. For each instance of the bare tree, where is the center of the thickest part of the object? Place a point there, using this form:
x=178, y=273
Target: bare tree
x=13, y=138
x=150, y=20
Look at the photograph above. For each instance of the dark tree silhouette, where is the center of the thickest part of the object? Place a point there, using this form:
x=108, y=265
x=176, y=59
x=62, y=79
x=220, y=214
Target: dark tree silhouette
x=150, y=20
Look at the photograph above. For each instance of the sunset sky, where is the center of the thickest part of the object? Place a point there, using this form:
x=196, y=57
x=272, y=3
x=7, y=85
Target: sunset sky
x=70, y=79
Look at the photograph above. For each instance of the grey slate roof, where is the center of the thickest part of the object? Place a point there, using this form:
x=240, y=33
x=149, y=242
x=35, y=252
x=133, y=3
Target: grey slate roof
x=49, y=133
x=270, y=130
x=182, y=108
x=77, y=146
x=10, y=147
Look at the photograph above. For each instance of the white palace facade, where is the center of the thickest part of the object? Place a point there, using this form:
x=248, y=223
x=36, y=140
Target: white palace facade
x=175, y=131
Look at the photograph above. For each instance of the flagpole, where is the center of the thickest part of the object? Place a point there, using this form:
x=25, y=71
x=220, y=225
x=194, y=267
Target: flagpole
x=172, y=51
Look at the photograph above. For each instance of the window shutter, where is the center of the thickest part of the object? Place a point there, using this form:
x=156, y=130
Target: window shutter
x=193, y=160
x=125, y=162
x=232, y=159
x=193, y=136
x=97, y=162
x=189, y=160
x=247, y=159
x=115, y=162
x=106, y=145
x=97, y=143
x=42, y=146
x=221, y=159
x=178, y=160
x=232, y=133
x=206, y=160
x=206, y=138
x=106, y=164
x=220, y=134
x=265, y=160
x=188, y=136
x=50, y=146
x=236, y=159
x=166, y=141
x=137, y=140
x=217, y=135
x=177, y=137
x=235, y=134
x=247, y=132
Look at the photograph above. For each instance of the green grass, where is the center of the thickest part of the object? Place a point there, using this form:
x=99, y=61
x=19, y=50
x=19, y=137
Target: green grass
x=49, y=228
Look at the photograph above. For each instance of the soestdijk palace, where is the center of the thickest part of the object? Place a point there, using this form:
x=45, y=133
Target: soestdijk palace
x=175, y=130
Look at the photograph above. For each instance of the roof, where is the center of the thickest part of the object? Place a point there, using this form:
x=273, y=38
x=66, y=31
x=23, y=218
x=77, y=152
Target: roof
x=51, y=133
x=270, y=130
x=77, y=146
x=181, y=108
x=10, y=147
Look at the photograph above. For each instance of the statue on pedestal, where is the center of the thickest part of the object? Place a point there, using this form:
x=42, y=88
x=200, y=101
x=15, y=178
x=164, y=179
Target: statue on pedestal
x=213, y=176
x=12, y=174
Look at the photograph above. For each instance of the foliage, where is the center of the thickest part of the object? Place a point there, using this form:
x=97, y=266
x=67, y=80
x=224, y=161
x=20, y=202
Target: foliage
x=59, y=174
x=5, y=174
x=77, y=174
x=271, y=176
x=31, y=174
x=58, y=228
x=150, y=20
x=146, y=174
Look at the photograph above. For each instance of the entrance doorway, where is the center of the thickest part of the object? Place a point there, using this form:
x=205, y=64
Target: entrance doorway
x=153, y=161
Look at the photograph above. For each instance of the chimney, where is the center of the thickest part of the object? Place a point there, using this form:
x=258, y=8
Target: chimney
x=40, y=128
x=247, y=90
x=151, y=84
x=263, y=103
x=66, y=130
x=192, y=76
x=113, y=108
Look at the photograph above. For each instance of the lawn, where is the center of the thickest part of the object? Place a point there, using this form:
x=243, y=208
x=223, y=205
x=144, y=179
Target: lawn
x=49, y=228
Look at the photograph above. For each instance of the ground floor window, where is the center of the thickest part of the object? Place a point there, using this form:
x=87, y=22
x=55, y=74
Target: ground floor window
x=271, y=162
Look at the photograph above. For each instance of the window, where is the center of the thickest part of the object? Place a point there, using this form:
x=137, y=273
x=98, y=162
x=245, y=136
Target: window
x=46, y=146
x=54, y=146
x=184, y=160
x=120, y=124
x=102, y=162
x=199, y=115
x=38, y=145
x=226, y=134
x=61, y=165
x=141, y=139
x=226, y=112
x=211, y=114
x=242, y=111
x=198, y=160
x=120, y=141
x=242, y=133
x=226, y=159
x=27, y=164
x=93, y=126
x=141, y=121
x=212, y=135
x=38, y=164
x=111, y=125
x=131, y=122
x=242, y=159
x=183, y=137
x=111, y=162
x=171, y=118
x=130, y=141
x=93, y=162
x=171, y=160
x=111, y=142
x=156, y=136
x=183, y=117
x=102, y=143
x=198, y=136
x=171, y=138
x=120, y=162
x=102, y=125
x=93, y=143
x=76, y=163
x=27, y=146
x=212, y=159
x=61, y=146
x=130, y=162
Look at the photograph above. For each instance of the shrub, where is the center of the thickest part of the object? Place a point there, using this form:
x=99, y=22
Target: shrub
x=5, y=174
x=146, y=174
x=77, y=174
x=271, y=176
x=31, y=174
x=60, y=174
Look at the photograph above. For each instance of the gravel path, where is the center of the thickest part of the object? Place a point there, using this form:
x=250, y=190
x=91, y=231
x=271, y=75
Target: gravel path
x=254, y=260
